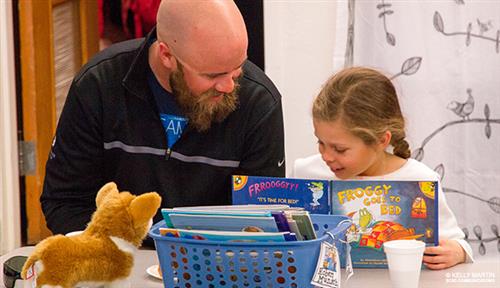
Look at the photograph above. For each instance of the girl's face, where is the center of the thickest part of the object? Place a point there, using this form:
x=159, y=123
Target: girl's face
x=346, y=154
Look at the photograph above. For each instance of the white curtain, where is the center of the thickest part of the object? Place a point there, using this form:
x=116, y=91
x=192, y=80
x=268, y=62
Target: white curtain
x=10, y=223
x=444, y=58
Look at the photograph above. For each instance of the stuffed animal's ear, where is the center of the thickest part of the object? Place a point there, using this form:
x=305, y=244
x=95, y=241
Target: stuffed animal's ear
x=105, y=191
x=144, y=207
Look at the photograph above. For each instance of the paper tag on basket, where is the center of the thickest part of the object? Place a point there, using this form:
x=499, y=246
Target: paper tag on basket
x=348, y=262
x=327, y=273
x=31, y=277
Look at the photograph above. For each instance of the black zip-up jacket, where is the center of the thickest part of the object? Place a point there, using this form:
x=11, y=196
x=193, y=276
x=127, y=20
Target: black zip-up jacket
x=110, y=130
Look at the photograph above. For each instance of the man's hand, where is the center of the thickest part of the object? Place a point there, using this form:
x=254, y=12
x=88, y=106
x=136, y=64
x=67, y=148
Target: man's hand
x=449, y=253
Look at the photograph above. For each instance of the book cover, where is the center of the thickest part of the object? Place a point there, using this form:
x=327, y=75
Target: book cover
x=294, y=228
x=305, y=225
x=228, y=236
x=381, y=210
x=243, y=213
x=385, y=210
x=234, y=208
x=281, y=222
x=312, y=195
x=223, y=223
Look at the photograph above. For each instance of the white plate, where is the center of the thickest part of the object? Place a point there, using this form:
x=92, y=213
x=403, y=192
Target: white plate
x=153, y=271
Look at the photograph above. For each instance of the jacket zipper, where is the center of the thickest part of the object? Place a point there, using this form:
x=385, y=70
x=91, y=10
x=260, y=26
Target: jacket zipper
x=167, y=153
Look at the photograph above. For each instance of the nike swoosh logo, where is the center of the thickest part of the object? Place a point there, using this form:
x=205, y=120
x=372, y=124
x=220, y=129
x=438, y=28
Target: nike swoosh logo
x=280, y=163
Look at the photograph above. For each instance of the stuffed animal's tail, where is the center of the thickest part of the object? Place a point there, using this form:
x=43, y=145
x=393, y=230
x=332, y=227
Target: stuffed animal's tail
x=36, y=255
x=30, y=264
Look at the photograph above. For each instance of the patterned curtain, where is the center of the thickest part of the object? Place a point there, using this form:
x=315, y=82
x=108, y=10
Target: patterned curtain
x=444, y=58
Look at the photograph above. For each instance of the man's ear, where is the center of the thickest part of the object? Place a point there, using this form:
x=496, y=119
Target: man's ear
x=166, y=57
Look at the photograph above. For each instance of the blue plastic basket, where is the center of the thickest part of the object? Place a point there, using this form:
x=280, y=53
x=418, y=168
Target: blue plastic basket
x=187, y=263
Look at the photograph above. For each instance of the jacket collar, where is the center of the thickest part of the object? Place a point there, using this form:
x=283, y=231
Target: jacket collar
x=135, y=81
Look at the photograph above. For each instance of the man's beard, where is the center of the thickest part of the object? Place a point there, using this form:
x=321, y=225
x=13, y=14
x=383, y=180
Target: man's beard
x=200, y=110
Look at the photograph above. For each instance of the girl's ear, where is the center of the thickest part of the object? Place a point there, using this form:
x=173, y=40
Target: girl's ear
x=166, y=56
x=385, y=140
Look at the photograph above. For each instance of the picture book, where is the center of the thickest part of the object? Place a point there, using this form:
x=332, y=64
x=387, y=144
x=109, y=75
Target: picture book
x=380, y=210
x=240, y=218
x=167, y=211
x=304, y=225
x=223, y=223
x=312, y=195
x=233, y=208
x=229, y=236
x=385, y=210
x=281, y=221
x=294, y=228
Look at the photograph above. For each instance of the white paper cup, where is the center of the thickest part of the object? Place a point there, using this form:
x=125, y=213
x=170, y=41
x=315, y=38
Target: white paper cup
x=404, y=258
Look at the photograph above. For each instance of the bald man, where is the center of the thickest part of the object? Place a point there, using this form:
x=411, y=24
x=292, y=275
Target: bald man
x=178, y=113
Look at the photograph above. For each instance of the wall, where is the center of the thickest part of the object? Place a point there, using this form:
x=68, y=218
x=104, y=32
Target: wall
x=10, y=223
x=299, y=41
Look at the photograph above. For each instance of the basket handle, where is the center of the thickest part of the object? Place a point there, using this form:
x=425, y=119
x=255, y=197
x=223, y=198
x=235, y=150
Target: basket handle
x=348, y=265
x=329, y=231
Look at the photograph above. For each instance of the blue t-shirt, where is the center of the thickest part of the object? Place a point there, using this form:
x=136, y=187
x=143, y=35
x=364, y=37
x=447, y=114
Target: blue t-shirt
x=171, y=116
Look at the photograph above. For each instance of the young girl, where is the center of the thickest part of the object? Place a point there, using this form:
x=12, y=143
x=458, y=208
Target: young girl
x=356, y=117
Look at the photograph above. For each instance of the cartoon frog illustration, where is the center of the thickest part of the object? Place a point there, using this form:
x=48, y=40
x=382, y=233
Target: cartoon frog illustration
x=317, y=192
x=365, y=219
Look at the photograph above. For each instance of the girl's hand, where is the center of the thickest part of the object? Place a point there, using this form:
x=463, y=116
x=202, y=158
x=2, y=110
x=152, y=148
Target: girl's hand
x=449, y=253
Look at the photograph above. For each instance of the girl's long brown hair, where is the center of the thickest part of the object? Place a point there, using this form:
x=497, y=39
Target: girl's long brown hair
x=366, y=102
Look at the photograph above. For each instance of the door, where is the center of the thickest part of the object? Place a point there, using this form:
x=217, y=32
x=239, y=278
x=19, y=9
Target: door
x=55, y=38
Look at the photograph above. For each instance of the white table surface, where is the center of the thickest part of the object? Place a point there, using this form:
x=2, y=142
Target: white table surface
x=143, y=259
x=482, y=273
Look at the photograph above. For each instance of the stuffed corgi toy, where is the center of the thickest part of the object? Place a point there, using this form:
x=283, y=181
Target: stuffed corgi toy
x=103, y=254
